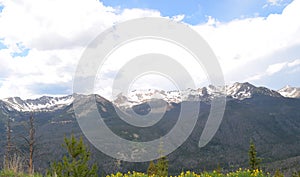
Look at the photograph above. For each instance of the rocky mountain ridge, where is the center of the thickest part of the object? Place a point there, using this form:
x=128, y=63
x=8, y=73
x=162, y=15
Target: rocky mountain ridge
x=239, y=91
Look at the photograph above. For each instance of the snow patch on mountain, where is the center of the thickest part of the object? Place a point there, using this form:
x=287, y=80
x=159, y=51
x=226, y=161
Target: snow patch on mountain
x=238, y=91
x=291, y=92
x=137, y=97
x=44, y=103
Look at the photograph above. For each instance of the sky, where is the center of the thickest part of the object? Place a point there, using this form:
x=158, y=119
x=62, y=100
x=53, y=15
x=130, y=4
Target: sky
x=42, y=41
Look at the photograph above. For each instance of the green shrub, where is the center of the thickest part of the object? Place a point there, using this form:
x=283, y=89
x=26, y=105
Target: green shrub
x=296, y=174
x=278, y=174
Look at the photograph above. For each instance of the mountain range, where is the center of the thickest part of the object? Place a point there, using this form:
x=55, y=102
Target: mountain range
x=237, y=91
x=271, y=118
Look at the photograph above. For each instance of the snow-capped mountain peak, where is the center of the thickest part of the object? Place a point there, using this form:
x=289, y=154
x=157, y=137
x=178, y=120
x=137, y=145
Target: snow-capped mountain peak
x=238, y=91
x=246, y=90
x=45, y=103
x=291, y=92
x=136, y=97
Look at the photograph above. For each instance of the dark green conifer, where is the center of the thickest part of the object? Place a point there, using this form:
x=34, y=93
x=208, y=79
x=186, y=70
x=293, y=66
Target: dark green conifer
x=162, y=166
x=76, y=162
x=151, y=169
x=254, y=161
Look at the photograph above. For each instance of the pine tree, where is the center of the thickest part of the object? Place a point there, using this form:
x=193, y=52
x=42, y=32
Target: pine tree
x=76, y=163
x=151, y=169
x=254, y=161
x=162, y=166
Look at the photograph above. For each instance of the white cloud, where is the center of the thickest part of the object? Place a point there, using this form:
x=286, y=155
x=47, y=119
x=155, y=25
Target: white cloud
x=243, y=41
x=274, y=2
x=56, y=32
x=294, y=63
x=53, y=24
x=178, y=18
x=107, y=74
x=275, y=68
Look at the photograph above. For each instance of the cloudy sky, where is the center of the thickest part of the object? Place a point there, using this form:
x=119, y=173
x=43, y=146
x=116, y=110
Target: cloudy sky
x=41, y=41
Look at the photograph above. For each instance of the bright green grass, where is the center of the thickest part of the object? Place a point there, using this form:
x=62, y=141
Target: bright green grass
x=7, y=173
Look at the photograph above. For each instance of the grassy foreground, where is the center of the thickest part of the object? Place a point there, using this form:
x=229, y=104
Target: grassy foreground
x=7, y=173
x=238, y=173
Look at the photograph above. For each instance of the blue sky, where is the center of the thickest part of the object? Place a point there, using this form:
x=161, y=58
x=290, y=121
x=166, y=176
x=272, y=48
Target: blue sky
x=257, y=41
x=2, y=46
x=197, y=11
